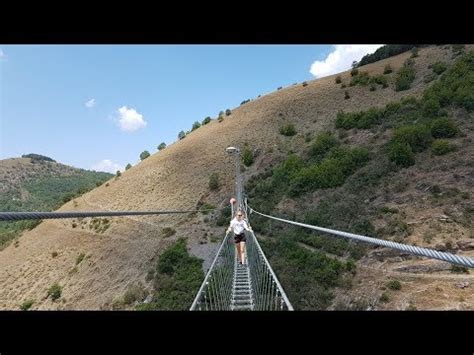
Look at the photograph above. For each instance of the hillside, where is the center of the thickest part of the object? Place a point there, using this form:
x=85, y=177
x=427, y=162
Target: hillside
x=38, y=183
x=424, y=203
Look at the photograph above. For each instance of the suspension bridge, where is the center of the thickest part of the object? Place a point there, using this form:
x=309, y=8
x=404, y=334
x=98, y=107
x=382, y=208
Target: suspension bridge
x=230, y=286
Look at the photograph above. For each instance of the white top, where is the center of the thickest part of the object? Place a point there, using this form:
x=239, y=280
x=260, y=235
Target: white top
x=238, y=226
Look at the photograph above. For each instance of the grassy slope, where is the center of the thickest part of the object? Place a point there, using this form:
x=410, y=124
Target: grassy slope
x=29, y=185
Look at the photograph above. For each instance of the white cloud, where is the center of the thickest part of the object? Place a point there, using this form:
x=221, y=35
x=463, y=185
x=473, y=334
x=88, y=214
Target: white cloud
x=341, y=58
x=91, y=103
x=130, y=120
x=108, y=166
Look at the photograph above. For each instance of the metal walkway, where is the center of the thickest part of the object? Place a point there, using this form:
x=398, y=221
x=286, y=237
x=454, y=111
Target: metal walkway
x=242, y=288
x=231, y=286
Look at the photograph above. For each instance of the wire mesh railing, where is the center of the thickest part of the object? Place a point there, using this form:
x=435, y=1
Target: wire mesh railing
x=217, y=290
x=268, y=294
x=215, y=293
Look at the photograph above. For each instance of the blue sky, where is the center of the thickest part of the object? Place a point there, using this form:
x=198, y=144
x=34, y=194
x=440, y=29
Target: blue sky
x=100, y=106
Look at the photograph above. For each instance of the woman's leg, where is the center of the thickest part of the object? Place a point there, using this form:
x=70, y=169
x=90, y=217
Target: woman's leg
x=242, y=252
x=237, y=250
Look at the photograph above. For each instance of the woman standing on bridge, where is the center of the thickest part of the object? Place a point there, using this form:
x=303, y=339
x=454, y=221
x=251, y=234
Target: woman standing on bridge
x=238, y=224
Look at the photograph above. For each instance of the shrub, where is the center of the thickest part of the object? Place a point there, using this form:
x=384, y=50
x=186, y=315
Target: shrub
x=162, y=146
x=228, y=112
x=330, y=172
x=279, y=88
x=350, y=265
x=414, y=52
x=338, y=79
x=457, y=49
x=133, y=294
x=177, y=279
x=220, y=119
x=322, y=144
x=145, y=154
x=287, y=170
x=167, y=232
x=118, y=173
x=346, y=95
x=288, y=129
x=418, y=137
x=55, y=291
x=309, y=276
x=206, y=207
x=394, y=285
x=459, y=269
x=431, y=107
x=379, y=79
x=99, y=225
x=27, y=305
x=305, y=83
x=343, y=86
x=247, y=157
x=405, y=76
x=354, y=72
x=196, y=125
x=439, y=67
x=106, y=184
x=387, y=69
x=80, y=258
x=401, y=154
x=384, y=298
x=373, y=87
x=361, y=120
x=214, y=181
x=443, y=128
x=361, y=79
x=128, y=166
x=224, y=217
x=206, y=120
x=181, y=135
x=442, y=146
x=221, y=113
x=54, y=254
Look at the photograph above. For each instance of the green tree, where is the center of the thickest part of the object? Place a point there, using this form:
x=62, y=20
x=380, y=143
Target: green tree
x=206, y=120
x=162, y=146
x=387, y=69
x=128, y=166
x=145, y=154
x=247, y=157
x=401, y=154
x=288, y=129
x=214, y=181
x=181, y=135
x=196, y=125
